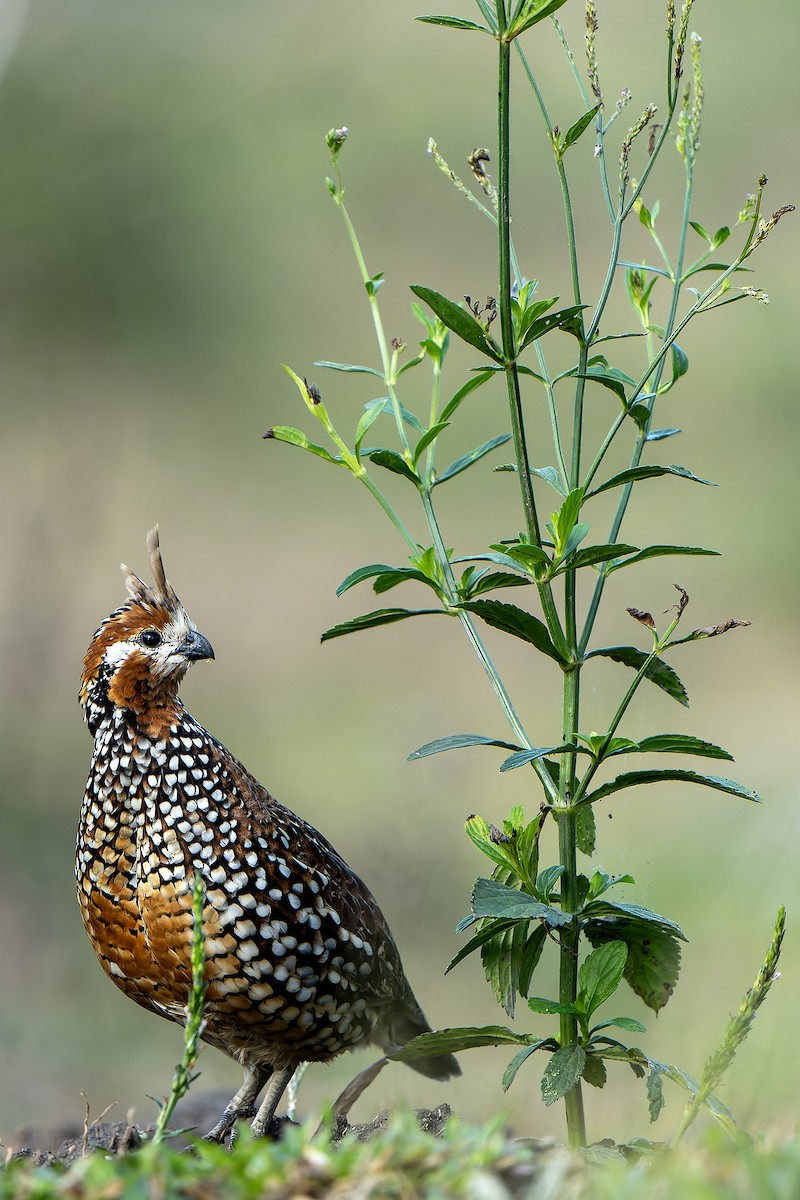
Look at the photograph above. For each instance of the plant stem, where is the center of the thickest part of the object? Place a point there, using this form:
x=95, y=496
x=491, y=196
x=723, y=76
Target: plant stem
x=568, y=972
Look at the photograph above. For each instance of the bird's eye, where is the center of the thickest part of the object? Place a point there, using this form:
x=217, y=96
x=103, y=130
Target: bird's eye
x=150, y=638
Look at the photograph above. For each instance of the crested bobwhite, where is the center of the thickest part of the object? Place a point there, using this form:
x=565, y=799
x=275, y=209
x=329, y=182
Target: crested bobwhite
x=300, y=964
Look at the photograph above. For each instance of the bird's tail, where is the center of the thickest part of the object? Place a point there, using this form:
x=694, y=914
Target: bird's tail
x=405, y=1022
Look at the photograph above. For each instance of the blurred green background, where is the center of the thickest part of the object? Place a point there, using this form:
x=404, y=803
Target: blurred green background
x=166, y=241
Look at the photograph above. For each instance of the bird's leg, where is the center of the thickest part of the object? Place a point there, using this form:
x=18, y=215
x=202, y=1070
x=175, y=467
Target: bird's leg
x=275, y=1089
x=243, y=1103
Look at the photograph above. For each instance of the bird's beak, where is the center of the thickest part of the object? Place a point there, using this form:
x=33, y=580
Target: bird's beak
x=196, y=647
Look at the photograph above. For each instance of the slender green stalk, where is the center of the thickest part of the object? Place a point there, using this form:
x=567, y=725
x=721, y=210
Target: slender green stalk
x=184, y=1076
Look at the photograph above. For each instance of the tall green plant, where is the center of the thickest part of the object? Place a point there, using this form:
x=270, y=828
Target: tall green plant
x=525, y=905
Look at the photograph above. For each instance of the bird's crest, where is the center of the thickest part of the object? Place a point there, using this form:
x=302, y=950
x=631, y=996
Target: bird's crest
x=163, y=594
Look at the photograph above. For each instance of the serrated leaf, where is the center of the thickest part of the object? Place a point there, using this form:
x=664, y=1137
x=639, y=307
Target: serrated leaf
x=549, y=1008
x=641, y=778
x=629, y=1024
x=655, y=1093
x=585, y=830
x=496, y=579
x=350, y=368
x=658, y=672
x=462, y=323
x=386, y=580
x=680, y=743
x=296, y=437
x=621, y=914
x=465, y=1037
x=373, y=571
x=381, y=616
x=510, y=1073
x=458, y=741
x=490, y=898
x=497, y=959
x=517, y=622
x=479, y=833
x=530, y=956
x=467, y=460
x=594, y=1071
x=654, y=955
x=580, y=126
x=659, y=552
x=562, y=1072
x=636, y=474
x=547, y=879
x=453, y=23
x=599, y=975
x=391, y=461
x=489, y=930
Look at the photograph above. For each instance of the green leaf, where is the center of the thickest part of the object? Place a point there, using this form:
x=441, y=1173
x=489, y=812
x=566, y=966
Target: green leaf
x=530, y=956
x=474, y=456
x=522, y=757
x=496, y=579
x=600, y=974
x=490, y=898
x=458, y=741
x=471, y=385
x=635, y=474
x=714, y=1105
x=654, y=955
x=453, y=23
x=592, y=555
x=658, y=552
x=566, y=319
x=594, y=1071
x=513, y=620
x=450, y=1041
x=391, y=578
x=394, y=462
x=497, y=959
x=510, y=1073
x=701, y=231
x=658, y=672
x=580, y=126
x=640, y=778
x=381, y=616
x=462, y=323
x=295, y=437
x=629, y=1024
x=430, y=435
x=680, y=743
x=551, y=475
x=612, y=378
x=483, y=836
x=549, y=1008
x=585, y=830
x=562, y=1072
x=533, y=12
x=368, y=572
x=621, y=915
x=489, y=930
x=655, y=1093
x=547, y=879
x=370, y=415
x=658, y=435
x=351, y=368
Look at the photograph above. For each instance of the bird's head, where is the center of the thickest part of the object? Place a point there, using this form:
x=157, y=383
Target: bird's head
x=141, y=652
